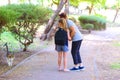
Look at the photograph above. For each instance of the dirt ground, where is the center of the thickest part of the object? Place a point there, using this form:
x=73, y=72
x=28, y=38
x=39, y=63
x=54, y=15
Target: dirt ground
x=20, y=56
x=108, y=55
x=107, y=52
x=102, y=45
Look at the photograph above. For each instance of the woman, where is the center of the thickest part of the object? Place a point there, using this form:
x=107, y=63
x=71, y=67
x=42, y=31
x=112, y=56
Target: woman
x=77, y=38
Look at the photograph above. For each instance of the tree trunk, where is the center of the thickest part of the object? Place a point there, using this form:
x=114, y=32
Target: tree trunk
x=52, y=19
x=42, y=3
x=25, y=48
x=29, y=1
x=52, y=31
x=67, y=7
x=117, y=10
x=9, y=1
x=90, y=9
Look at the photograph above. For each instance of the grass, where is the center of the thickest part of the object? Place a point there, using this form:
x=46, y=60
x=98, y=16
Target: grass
x=13, y=44
x=115, y=66
x=117, y=44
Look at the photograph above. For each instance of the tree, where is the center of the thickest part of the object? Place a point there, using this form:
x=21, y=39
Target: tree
x=74, y=3
x=94, y=3
x=52, y=19
x=9, y=1
x=40, y=2
x=117, y=6
x=23, y=21
x=29, y=1
x=67, y=7
x=56, y=2
x=21, y=1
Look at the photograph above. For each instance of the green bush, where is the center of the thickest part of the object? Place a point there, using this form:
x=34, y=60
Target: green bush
x=23, y=21
x=100, y=15
x=98, y=22
x=72, y=18
x=13, y=44
x=34, y=12
x=7, y=16
x=88, y=26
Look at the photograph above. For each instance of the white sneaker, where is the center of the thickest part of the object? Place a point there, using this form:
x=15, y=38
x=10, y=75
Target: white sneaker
x=60, y=69
x=66, y=70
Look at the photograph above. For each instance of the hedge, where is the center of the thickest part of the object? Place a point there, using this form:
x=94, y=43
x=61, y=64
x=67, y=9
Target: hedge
x=23, y=20
x=98, y=22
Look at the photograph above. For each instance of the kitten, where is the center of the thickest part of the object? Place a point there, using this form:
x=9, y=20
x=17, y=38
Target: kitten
x=9, y=56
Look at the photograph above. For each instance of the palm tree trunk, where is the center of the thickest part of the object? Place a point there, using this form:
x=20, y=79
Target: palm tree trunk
x=52, y=19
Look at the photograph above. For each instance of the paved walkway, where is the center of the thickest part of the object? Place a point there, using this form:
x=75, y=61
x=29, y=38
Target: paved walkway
x=43, y=65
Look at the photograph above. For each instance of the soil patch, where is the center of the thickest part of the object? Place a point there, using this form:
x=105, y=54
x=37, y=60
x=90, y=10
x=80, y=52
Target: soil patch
x=20, y=56
x=108, y=54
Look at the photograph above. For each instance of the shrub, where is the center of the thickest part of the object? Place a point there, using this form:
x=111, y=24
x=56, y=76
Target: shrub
x=98, y=22
x=72, y=18
x=88, y=26
x=12, y=43
x=23, y=21
x=6, y=17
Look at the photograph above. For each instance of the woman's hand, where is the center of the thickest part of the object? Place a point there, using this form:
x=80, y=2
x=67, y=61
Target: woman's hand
x=69, y=38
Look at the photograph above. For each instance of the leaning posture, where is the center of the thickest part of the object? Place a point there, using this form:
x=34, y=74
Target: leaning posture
x=77, y=38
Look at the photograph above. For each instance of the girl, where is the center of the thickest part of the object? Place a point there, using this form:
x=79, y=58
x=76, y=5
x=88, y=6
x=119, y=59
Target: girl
x=62, y=49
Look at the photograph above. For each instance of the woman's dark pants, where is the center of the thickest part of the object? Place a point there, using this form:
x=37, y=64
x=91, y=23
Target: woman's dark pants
x=75, y=51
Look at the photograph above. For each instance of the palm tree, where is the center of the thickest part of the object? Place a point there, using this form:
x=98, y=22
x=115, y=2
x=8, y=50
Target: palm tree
x=117, y=9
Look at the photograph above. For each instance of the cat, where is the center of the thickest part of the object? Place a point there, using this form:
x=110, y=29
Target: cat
x=9, y=56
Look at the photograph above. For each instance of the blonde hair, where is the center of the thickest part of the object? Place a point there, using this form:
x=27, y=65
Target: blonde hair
x=63, y=23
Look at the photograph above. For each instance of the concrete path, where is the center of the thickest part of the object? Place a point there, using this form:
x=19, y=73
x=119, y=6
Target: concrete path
x=43, y=65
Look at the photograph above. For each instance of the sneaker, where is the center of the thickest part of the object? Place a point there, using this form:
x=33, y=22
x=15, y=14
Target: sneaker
x=66, y=70
x=60, y=69
x=75, y=69
x=81, y=68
